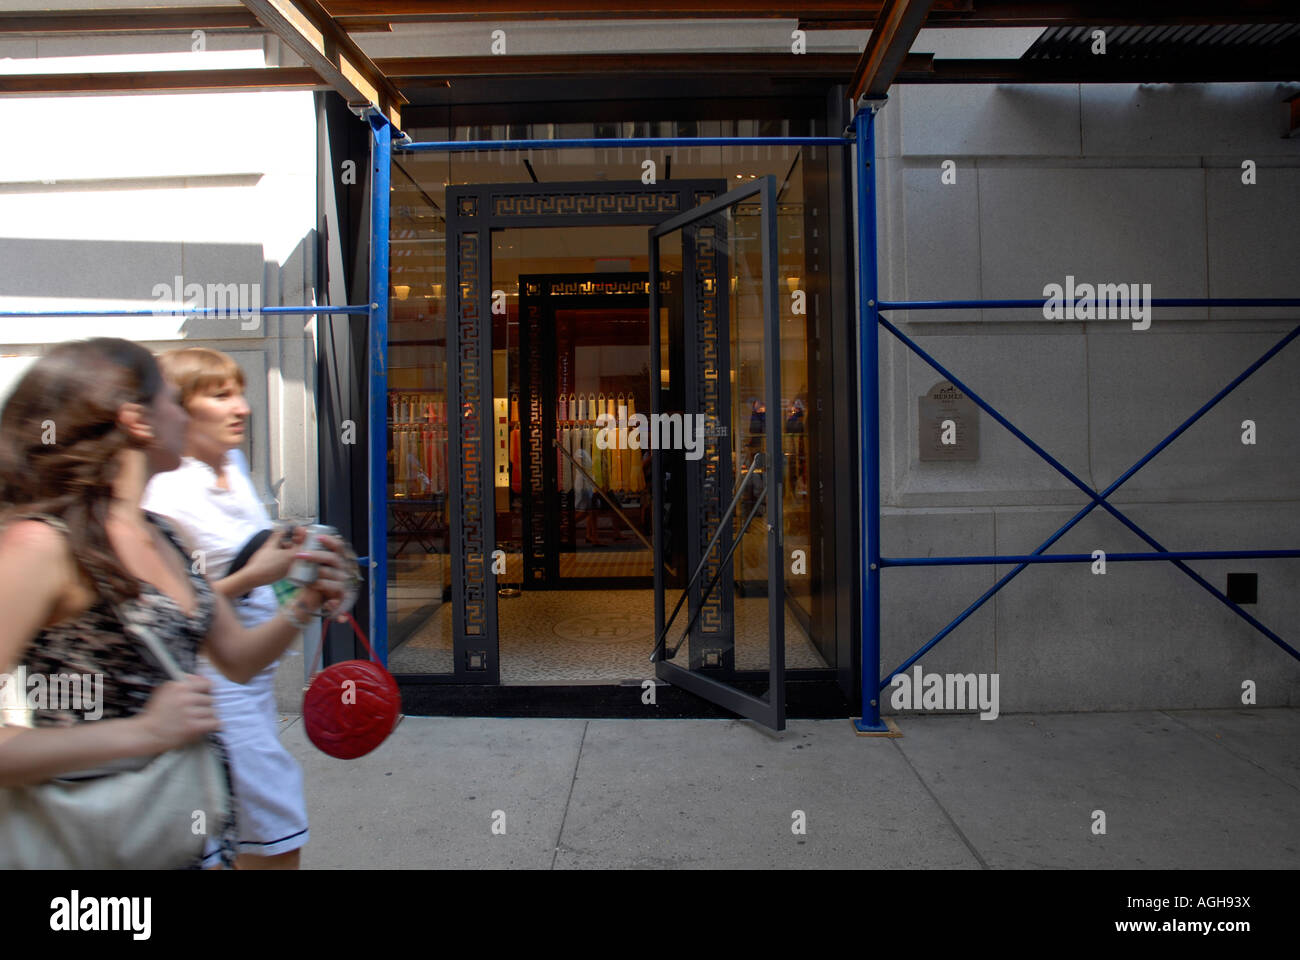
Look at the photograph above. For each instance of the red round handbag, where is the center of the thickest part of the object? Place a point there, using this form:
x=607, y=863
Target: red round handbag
x=351, y=707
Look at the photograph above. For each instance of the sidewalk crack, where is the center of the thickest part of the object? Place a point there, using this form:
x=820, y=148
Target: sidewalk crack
x=569, y=799
x=942, y=809
x=1219, y=743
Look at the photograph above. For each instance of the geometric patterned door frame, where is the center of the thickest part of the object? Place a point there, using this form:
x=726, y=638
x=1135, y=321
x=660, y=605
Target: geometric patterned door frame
x=473, y=212
x=548, y=511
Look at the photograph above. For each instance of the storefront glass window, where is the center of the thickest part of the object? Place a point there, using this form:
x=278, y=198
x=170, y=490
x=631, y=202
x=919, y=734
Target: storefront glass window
x=596, y=351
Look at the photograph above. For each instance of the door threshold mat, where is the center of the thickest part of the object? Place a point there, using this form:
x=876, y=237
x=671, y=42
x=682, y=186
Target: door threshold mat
x=810, y=700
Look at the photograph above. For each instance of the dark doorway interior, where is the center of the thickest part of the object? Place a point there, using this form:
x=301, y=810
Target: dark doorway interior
x=583, y=373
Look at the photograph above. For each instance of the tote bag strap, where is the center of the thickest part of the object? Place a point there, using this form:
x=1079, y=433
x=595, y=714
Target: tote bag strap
x=155, y=646
x=161, y=655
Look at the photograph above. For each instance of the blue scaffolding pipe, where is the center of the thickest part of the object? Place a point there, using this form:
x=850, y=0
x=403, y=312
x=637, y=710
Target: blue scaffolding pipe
x=1087, y=558
x=632, y=143
x=1096, y=498
x=210, y=313
x=869, y=421
x=381, y=141
x=1032, y=304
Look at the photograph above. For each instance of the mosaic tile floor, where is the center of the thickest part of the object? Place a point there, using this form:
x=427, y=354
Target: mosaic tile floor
x=418, y=574
x=586, y=635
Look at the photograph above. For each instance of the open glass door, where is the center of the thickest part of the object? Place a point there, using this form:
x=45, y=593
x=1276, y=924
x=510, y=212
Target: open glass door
x=715, y=446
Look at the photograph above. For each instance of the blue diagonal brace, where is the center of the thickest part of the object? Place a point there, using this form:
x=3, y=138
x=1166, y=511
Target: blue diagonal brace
x=1096, y=498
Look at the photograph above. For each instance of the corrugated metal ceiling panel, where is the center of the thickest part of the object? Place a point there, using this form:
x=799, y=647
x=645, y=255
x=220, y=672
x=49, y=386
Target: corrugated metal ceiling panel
x=1069, y=43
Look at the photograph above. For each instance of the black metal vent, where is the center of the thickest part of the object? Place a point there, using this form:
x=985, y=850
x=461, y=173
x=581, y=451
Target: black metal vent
x=1142, y=43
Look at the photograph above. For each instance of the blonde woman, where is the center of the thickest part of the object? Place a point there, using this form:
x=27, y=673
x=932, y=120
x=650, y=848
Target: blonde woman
x=210, y=498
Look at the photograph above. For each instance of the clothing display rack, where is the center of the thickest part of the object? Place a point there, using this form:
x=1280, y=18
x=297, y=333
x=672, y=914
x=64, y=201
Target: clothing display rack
x=617, y=469
x=418, y=441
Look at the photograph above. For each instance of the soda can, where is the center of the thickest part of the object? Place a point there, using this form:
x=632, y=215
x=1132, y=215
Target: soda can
x=303, y=572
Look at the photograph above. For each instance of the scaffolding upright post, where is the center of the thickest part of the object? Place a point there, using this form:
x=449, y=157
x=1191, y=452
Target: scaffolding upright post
x=869, y=416
x=381, y=134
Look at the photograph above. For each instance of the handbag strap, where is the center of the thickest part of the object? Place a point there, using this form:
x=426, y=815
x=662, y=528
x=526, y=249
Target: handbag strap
x=320, y=649
x=155, y=646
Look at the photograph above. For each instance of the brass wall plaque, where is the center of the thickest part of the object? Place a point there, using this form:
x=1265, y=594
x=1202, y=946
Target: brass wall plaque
x=948, y=424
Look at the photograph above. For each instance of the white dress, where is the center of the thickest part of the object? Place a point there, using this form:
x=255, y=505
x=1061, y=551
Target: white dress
x=272, y=813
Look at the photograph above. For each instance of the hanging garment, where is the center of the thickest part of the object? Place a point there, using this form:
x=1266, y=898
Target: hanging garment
x=620, y=456
x=426, y=436
x=398, y=463
x=409, y=473
x=439, y=448
x=611, y=447
x=433, y=450
x=616, y=448
x=634, y=476
x=563, y=468
x=582, y=454
x=408, y=453
x=599, y=454
x=412, y=460
x=516, y=471
x=566, y=466
x=419, y=479
x=597, y=460
x=631, y=458
x=420, y=453
x=575, y=475
x=573, y=445
x=588, y=455
x=403, y=461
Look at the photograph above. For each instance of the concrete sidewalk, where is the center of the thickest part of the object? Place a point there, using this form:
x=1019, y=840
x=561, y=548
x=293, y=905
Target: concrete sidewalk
x=1179, y=789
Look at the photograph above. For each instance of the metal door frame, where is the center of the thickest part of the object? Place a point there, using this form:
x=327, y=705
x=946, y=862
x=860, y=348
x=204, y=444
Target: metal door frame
x=474, y=211
x=544, y=515
x=768, y=710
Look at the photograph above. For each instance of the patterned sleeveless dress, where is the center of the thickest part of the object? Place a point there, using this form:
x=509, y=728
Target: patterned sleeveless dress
x=96, y=643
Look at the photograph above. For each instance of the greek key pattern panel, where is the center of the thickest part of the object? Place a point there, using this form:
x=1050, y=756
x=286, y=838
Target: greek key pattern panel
x=563, y=288
x=562, y=332
x=538, y=448
x=509, y=205
x=469, y=434
x=709, y=329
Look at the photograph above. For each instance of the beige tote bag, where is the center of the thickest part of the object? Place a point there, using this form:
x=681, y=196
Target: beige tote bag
x=156, y=816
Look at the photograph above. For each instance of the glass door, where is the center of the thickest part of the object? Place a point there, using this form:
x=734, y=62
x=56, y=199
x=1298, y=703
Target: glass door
x=716, y=462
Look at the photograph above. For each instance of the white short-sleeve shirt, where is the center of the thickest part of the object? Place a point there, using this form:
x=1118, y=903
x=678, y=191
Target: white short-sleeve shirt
x=218, y=522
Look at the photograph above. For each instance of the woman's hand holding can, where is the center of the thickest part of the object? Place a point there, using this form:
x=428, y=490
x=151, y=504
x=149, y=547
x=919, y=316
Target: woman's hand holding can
x=327, y=570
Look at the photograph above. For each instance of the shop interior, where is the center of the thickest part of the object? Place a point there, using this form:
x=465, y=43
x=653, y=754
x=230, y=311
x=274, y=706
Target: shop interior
x=580, y=608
